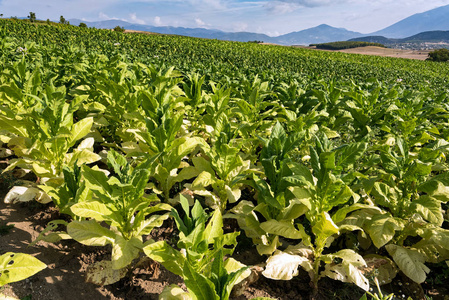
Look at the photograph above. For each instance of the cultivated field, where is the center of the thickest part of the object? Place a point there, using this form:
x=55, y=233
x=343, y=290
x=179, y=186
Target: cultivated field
x=149, y=166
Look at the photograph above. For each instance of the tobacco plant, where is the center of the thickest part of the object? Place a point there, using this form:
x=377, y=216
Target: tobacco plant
x=202, y=260
x=119, y=202
x=326, y=195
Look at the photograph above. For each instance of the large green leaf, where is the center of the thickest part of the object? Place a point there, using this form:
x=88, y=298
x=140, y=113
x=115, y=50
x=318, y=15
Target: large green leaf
x=282, y=228
x=382, y=228
x=324, y=228
x=93, y=209
x=162, y=252
x=81, y=129
x=90, y=233
x=214, y=228
x=200, y=287
x=124, y=251
x=429, y=208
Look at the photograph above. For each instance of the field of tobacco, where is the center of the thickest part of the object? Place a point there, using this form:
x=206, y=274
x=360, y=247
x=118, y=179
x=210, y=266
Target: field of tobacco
x=325, y=166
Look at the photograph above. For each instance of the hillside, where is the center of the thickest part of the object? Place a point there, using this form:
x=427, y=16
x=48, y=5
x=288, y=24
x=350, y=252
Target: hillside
x=435, y=19
x=424, y=40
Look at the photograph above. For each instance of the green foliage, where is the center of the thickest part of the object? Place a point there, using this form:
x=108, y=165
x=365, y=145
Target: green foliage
x=201, y=261
x=344, y=45
x=62, y=20
x=82, y=25
x=32, y=17
x=5, y=229
x=119, y=29
x=120, y=202
x=440, y=55
x=320, y=157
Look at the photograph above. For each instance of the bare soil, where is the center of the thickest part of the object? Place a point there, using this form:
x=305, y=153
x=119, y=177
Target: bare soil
x=389, y=52
x=67, y=261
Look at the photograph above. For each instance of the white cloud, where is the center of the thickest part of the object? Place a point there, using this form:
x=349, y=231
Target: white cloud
x=199, y=22
x=133, y=18
x=157, y=21
x=103, y=16
x=281, y=7
x=313, y=3
x=240, y=26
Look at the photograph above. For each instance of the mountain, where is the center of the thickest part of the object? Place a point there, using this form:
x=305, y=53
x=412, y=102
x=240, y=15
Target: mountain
x=424, y=40
x=320, y=34
x=431, y=20
x=373, y=39
x=193, y=32
x=429, y=36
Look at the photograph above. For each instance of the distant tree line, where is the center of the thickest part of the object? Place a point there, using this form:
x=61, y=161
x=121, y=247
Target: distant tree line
x=344, y=45
x=440, y=55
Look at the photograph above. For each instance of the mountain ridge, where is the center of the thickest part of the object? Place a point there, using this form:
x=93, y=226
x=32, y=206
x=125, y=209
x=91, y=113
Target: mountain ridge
x=431, y=20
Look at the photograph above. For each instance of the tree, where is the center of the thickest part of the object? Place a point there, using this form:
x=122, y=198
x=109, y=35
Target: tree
x=62, y=20
x=32, y=17
x=119, y=29
x=83, y=25
x=439, y=55
x=1, y=15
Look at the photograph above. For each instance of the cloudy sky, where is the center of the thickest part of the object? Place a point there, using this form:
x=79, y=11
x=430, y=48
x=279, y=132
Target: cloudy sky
x=272, y=17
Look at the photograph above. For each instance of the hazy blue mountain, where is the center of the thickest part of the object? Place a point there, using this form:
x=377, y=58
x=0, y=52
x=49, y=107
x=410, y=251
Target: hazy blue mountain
x=428, y=36
x=431, y=20
x=320, y=34
x=193, y=32
x=373, y=39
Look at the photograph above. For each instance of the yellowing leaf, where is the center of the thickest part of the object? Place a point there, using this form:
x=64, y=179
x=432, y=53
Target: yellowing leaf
x=233, y=194
x=347, y=272
x=81, y=129
x=283, y=266
x=91, y=209
x=18, y=266
x=382, y=228
x=124, y=251
x=102, y=273
x=429, y=208
x=203, y=180
x=174, y=292
x=384, y=269
x=410, y=261
x=214, y=228
x=282, y=228
x=21, y=194
x=232, y=265
x=90, y=233
x=324, y=228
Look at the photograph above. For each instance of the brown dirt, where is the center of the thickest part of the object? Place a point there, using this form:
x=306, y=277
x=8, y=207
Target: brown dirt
x=139, y=31
x=67, y=261
x=388, y=52
x=380, y=51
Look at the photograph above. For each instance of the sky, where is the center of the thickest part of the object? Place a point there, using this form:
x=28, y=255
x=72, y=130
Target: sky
x=272, y=17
